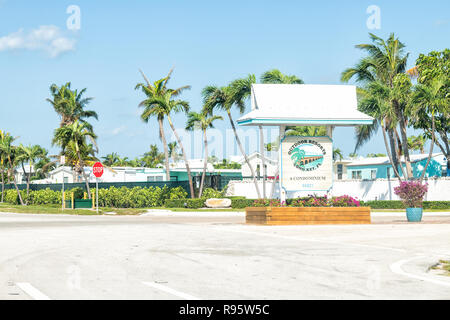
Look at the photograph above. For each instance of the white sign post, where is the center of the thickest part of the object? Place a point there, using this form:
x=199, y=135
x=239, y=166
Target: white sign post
x=306, y=164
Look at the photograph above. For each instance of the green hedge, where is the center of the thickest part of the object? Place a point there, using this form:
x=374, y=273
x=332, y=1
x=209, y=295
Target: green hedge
x=113, y=197
x=185, y=203
x=395, y=204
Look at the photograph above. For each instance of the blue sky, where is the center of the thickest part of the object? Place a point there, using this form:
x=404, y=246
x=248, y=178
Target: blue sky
x=208, y=42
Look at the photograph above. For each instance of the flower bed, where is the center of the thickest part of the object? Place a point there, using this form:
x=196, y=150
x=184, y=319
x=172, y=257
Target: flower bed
x=308, y=211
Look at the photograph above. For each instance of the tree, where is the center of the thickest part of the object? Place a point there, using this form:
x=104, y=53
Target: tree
x=337, y=154
x=3, y=166
x=111, y=159
x=276, y=77
x=375, y=155
x=30, y=155
x=153, y=158
x=72, y=139
x=9, y=153
x=70, y=105
x=430, y=99
x=202, y=121
x=173, y=151
x=225, y=98
x=433, y=71
x=417, y=143
x=382, y=74
x=154, y=107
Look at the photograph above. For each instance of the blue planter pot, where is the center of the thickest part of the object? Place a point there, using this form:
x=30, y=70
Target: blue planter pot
x=414, y=214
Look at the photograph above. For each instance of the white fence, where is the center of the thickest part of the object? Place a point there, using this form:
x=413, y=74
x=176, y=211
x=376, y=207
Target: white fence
x=380, y=189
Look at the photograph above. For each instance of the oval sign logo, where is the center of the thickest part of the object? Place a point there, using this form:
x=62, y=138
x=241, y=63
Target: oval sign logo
x=307, y=155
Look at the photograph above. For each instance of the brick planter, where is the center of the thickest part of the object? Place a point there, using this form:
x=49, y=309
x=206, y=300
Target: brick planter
x=307, y=216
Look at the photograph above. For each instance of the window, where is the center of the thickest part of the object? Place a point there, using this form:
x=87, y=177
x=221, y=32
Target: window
x=159, y=178
x=340, y=171
x=66, y=179
x=150, y=178
x=357, y=175
x=373, y=174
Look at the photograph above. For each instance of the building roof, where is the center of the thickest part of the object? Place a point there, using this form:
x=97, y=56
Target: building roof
x=385, y=160
x=301, y=104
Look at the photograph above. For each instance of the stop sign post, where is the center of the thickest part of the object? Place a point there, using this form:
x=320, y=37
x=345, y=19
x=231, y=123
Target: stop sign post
x=97, y=169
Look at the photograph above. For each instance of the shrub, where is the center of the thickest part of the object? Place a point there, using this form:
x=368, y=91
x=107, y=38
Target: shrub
x=185, y=203
x=241, y=203
x=345, y=201
x=411, y=193
x=268, y=203
x=210, y=193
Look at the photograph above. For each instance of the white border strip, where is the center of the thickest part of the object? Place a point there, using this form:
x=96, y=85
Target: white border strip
x=171, y=291
x=32, y=291
x=397, y=269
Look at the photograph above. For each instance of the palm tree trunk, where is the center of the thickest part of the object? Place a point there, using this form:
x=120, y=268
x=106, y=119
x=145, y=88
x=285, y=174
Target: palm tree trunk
x=205, y=164
x=3, y=185
x=166, y=151
x=88, y=189
x=244, y=154
x=263, y=159
x=433, y=139
x=389, y=153
x=29, y=177
x=405, y=145
x=28, y=186
x=393, y=155
x=15, y=183
x=188, y=169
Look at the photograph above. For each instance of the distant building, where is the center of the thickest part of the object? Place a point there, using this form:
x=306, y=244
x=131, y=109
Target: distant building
x=381, y=168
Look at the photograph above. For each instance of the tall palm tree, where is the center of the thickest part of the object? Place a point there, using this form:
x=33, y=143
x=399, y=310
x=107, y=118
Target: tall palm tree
x=73, y=141
x=385, y=60
x=9, y=154
x=2, y=166
x=30, y=155
x=71, y=105
x=176, y=106
x=337, y=154
x=202, y=121
x=417, y=143
x=225, y=99
x=153, y=108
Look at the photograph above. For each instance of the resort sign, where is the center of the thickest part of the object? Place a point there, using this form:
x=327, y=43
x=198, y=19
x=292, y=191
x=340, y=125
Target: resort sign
x=307, y=163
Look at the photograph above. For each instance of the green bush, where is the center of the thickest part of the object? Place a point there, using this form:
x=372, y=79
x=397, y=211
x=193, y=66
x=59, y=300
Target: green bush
x=185, y=203
x=241, y=203
x=210, y=193
x=396, y=204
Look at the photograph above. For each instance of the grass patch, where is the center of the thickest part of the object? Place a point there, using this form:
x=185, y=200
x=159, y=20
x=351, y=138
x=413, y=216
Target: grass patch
x=442, y=265
x=53, y=209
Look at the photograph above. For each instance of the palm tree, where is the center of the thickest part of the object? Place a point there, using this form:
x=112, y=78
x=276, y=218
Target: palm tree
x=153, y=108
x=111, y=159
x=176, y=106
x=276, y=77
x=9, y=153
x=30, y=155
x=337, y=154
x=429, y=98
x=70, y=105
x=2, y=166
x=383, y=64
x=223, y=98
x=173, y=153
x=153, y=158
x=72, y=139
x=202, y=121
x=417, y=143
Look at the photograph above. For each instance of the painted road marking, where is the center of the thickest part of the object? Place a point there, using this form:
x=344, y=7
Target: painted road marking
x=32, y=291
x=171, y=291
x=397, y=269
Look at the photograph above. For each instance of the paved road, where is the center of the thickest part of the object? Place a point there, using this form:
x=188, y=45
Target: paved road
x=168, y=257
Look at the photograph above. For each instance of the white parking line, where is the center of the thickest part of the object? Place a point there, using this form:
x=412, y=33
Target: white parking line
x=32, y=291
x=171, y=291
x=397, y=268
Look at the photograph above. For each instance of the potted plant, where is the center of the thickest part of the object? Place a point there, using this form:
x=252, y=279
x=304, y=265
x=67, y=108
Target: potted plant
x=412, y=193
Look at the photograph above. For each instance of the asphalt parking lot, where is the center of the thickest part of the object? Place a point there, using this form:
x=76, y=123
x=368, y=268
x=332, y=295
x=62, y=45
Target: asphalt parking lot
x=217, y=256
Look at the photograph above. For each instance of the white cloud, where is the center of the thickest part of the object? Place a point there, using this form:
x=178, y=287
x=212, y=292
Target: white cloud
x=118, y=130
x=47, y=38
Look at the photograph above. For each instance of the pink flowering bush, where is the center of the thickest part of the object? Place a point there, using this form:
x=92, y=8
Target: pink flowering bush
x=411, y=193
x=345, y=201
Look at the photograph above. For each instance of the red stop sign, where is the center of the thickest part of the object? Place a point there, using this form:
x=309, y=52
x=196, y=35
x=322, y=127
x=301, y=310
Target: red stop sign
x=98, y=169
